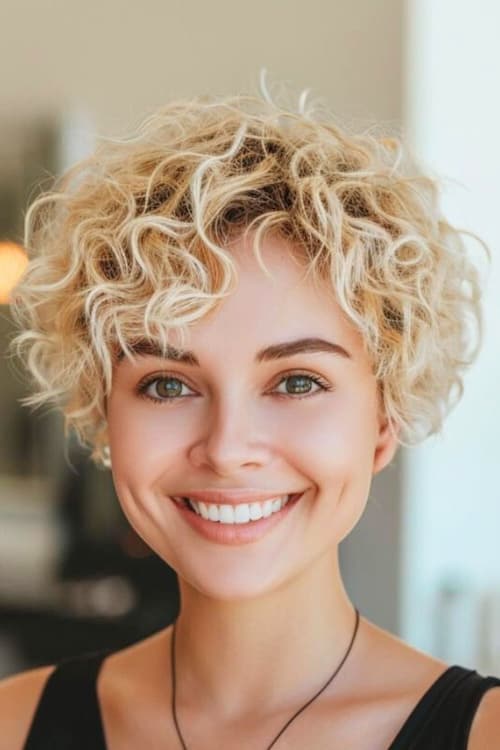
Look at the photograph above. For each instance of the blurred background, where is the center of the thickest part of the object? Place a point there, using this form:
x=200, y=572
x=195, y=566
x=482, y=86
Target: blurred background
x=424, y=562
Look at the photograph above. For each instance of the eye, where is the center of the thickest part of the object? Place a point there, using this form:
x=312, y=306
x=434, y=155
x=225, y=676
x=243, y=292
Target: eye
x=161, y=388
x=167, y=388
x=301, y=384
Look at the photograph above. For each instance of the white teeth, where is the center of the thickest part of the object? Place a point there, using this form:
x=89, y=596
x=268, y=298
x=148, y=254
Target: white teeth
x=255, y=511
x=242, y=513
x=267, y=508
x=226, y=514
x=213, y=513
x=232, y=514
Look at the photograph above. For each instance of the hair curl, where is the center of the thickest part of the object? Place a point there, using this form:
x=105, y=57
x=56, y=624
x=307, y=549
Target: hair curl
x=132, y=242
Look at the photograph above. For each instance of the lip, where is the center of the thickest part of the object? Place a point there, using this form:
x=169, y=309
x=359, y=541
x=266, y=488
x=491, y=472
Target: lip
x=234, y=497
x=237, y=533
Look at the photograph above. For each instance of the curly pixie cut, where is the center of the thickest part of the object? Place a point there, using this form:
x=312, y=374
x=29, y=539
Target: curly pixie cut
x=132, y=243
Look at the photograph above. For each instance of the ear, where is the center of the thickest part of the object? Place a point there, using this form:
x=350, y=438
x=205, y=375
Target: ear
x=386, y=445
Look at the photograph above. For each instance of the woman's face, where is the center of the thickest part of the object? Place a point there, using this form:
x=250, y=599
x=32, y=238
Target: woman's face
x=307, y=422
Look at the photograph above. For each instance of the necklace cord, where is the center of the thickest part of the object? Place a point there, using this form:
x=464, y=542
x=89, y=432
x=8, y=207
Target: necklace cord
x=174, y=713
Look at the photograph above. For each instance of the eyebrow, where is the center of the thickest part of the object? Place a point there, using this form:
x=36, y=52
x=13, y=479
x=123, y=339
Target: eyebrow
x=269, y=353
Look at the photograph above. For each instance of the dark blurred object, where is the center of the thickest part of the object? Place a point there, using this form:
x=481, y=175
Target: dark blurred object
x=29, y=157
x=107, y=588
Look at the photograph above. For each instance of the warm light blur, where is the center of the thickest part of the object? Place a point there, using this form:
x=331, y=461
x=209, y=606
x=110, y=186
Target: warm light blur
x=13, y=261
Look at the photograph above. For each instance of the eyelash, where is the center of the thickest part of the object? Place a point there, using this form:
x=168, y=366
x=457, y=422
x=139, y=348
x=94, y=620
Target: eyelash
x=150, y=379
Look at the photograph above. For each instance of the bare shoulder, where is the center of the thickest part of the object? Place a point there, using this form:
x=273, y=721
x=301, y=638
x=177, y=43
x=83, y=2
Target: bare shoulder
x=19, y=696
x=485, y=729
x=135, y=676
x=404, y=668
x=411, y=673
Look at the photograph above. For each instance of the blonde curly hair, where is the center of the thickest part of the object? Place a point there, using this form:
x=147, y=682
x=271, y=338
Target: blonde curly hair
x=132, y=243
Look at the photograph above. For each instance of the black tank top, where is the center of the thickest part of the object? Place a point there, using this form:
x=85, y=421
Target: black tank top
x=68, y=715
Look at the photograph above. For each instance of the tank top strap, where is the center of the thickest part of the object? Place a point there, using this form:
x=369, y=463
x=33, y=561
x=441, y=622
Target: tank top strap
x=67, y=715
x=443, y=717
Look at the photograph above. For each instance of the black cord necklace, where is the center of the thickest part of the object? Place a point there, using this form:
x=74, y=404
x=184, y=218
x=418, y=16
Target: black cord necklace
x=179, y=733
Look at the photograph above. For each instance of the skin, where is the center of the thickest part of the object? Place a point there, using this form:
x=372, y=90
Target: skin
x=252, y=612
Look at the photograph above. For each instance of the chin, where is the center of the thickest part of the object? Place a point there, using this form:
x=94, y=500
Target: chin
x=234, y=585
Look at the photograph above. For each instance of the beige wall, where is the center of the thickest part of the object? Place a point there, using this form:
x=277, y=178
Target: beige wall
x=121, y=58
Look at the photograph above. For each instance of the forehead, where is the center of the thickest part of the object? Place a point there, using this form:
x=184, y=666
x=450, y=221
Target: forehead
x=284, y=264
x=265, y=309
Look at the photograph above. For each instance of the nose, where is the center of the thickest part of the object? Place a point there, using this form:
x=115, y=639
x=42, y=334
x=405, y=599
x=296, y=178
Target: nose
x=231, y=440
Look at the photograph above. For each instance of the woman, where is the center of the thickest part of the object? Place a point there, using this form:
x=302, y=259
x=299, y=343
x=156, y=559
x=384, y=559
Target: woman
x=244, y=311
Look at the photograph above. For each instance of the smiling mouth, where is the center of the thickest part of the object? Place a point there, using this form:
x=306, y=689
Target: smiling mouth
x=243, y=513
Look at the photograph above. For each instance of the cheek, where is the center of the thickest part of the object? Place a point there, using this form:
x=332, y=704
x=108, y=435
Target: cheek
x=138, y=457
x=337, y=436
x=142, y=441
x=335, y=449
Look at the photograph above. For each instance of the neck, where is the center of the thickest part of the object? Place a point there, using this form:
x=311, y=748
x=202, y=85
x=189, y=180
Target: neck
x=276, y=651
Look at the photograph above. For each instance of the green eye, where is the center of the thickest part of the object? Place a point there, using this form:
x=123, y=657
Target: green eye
x=163, y=388
x=167, y=388
x=300, y=383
